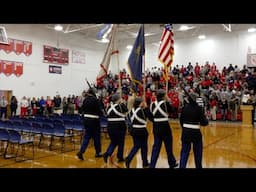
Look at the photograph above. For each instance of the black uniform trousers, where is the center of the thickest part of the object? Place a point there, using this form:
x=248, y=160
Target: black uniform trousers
x=162, y=133
x=94, y=133
x=116, y=131
x=139, y=142
x=188, y=137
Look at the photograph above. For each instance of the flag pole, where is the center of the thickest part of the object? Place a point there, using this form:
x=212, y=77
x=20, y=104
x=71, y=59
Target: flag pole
x=167, y=77
x=143, y=72
x=118, y=65
x=144, y=78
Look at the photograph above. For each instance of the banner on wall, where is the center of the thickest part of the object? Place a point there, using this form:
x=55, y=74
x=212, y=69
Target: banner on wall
x=251, y=60
x=7, y=67
x=18, y=68
x=17, y=46
x=1, y=66
x=55, y=55
x=78, y=57
x=55, y=69
x=11, y=67
x=27, y=48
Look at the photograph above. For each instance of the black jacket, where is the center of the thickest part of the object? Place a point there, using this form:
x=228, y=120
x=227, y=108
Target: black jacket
x=193, y=114
x=91, y=105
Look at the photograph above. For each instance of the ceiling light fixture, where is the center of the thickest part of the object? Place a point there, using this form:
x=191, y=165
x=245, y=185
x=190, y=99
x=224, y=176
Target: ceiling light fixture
x=201, y=37
x=129, y=47
x=251, y=30
x=58, y=27
x=184, y=28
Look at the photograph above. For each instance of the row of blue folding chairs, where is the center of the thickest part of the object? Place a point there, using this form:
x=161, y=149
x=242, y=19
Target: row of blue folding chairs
x=41, y=129
x=10, y=138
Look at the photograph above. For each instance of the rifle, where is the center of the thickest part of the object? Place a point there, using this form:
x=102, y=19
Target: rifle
x=88, y=83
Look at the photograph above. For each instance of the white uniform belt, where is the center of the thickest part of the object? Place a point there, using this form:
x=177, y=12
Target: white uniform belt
x=91, y=116
x=116, y=119
x=191, y=126
x=139, y=126
x=161, y=119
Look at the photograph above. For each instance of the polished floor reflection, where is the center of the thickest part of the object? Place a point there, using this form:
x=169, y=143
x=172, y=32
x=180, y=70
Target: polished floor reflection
x=226, y=145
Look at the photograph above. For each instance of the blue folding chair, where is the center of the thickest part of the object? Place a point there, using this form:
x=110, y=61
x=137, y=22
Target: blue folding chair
x=15, y=138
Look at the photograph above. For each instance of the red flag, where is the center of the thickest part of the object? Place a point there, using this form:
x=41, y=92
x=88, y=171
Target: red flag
x=166, y=50
x=111, y=49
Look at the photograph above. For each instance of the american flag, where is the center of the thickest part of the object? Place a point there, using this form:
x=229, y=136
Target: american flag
x=166, y=50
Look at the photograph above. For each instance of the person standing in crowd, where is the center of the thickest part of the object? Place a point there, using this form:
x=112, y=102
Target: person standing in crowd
x=42, y=104
x=34, y=106
x=192, y=116
x=91, y=110
x=161, y=109
x=116, y=114
x=14, y=106
x=138, y=117
x=3, y=106
x=23, y=107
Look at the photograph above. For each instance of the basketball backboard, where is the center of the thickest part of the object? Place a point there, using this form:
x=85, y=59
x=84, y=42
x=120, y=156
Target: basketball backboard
x=3, y=36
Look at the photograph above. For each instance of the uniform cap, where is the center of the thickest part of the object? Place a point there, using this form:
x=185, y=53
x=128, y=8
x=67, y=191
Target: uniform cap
x=115, y=97
x=160, y=93
x=91, y=91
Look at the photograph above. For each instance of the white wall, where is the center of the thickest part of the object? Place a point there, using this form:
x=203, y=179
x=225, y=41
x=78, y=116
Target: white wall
x=36, y=81
x=222, y=49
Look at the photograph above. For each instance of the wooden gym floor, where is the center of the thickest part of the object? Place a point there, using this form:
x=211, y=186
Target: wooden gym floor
x=226, y=145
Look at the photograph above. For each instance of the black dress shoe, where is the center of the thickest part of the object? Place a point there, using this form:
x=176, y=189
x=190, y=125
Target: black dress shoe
x=80, y=156
x=120, y=160
x=99, y=155
x=127, y=164
x=105, y=157
x=146, y=165
x=174, y=165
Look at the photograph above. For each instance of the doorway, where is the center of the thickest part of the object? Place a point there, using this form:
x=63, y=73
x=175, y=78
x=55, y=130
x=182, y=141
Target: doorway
x=8, y=95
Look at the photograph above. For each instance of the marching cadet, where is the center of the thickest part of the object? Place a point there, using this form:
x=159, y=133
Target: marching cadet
x=116, y=114
x=91, y=110
x=161, y=129
x=192, y=116
x=138, y=118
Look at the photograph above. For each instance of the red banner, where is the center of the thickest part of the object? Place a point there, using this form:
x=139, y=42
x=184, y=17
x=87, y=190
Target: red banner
x=27, y=48
x=55, y=55
x=7, y=67
x=1, y=66
x=11, y=67
x=9, y=48
x=2, y=46
x=18, y=46
x=18, y=68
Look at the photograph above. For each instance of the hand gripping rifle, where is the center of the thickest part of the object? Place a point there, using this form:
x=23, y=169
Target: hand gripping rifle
x=198, y=102
x=186, y=92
